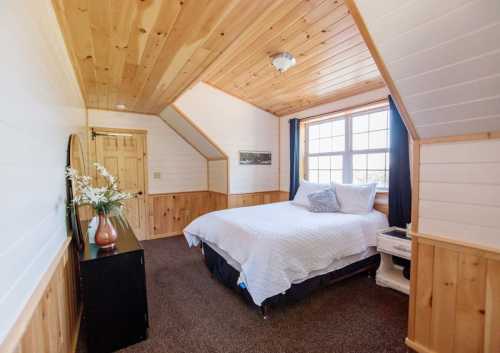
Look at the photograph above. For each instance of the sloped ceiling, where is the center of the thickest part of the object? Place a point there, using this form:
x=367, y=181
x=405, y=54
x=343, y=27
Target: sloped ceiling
x=140, y=55
x=444, y=59
x=189, y=132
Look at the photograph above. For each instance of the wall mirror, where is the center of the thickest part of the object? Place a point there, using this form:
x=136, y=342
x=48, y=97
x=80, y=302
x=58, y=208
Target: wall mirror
x=76, y=160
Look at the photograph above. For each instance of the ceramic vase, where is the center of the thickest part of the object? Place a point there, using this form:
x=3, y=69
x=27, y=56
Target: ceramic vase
x=105, y=235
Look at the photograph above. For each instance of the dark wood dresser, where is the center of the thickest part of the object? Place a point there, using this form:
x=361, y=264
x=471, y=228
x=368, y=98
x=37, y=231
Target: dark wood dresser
x=113, y=290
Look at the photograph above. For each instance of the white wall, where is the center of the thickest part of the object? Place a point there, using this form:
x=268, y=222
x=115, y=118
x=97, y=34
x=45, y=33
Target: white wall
x=235, y=125
x=460, y=191
x=320, y=109
x=181, y=167
x=217, y=176
x=41, y=107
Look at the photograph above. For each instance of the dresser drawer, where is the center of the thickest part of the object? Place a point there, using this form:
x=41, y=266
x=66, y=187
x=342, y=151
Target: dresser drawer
x=394, y=246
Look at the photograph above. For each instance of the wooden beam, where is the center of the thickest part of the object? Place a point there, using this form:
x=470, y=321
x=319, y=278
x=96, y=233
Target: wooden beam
x=358, y=19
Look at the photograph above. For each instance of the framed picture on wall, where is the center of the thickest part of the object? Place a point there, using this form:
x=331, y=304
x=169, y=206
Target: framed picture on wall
x=255, y=157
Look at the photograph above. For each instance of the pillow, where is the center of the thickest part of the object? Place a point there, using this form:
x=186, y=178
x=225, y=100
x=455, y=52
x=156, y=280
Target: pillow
x=356, y=198
x=323, y=201
x=305, y=188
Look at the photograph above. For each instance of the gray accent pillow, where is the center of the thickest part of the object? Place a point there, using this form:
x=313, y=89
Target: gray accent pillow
x=323, y=201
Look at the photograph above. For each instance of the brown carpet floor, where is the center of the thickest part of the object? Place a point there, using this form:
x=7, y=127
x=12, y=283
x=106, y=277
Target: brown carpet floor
x=190, y=312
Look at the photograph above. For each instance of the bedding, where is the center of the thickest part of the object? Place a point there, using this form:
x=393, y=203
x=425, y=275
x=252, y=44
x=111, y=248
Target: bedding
x=278, y=244
x=356, y=198
x=323, y=201
x=306, y=188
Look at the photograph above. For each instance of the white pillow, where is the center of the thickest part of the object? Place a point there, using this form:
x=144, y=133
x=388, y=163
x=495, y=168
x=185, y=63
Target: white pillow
x=356, y=198
x=306, y=188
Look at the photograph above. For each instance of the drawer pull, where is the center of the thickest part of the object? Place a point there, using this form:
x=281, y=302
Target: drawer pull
x=402, y=248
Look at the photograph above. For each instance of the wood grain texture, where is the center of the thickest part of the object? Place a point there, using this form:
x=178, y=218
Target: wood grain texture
x=454, y=301
x=256, y=198
x=145, y=54
x=51, y=320
x=492, y=307
x=332, y=59
x=170, y=213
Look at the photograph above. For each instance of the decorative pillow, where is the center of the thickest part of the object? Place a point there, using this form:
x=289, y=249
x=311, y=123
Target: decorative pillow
x=323, y=201
x=356, y=198
x=305, y=189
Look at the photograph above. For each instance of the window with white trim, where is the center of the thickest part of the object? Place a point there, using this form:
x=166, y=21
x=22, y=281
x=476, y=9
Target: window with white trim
x=349, y=148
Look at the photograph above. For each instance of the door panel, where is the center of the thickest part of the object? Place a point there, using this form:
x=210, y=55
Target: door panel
x=124, y=156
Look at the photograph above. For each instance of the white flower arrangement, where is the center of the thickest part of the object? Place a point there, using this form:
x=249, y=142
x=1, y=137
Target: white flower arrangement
x=107, y=199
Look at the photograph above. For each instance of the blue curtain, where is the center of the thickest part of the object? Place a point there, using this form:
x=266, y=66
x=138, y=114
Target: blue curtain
x=399, y=173
x=294, y=156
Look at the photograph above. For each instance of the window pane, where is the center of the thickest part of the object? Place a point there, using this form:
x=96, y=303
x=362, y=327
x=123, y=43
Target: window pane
x=360, y=141
x=324, y=177
x=376, y=161
x=313, y=132
x=336, y=162
x=338, y=144
x=313, y=176
x=378, y=121
x=360, y=123
x=378, y=139
x=336, y=176
x=313, y=146
x=325, y=145
x=359, y=161
x=324, y=162
x=387, y=160
x=377, y=176
x=359, y=176
x=313, y=163
x=325, y=129
x=338, y=127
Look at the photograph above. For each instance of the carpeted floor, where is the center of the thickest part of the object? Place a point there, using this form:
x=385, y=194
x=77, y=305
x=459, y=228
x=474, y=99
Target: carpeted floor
x=190, y=312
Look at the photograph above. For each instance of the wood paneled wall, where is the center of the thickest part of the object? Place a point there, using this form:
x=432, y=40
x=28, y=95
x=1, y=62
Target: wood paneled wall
x=50, y=321
x=170, y=213
x=256, y=198
x=455, y=298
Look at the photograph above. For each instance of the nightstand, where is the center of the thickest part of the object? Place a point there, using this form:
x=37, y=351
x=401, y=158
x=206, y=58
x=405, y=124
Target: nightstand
x=393, y=242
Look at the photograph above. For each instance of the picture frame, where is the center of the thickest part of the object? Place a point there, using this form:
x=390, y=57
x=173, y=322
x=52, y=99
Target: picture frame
x=255, y=157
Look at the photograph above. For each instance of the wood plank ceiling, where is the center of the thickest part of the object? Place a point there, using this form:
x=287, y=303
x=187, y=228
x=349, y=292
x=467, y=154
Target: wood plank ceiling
x=143, y=54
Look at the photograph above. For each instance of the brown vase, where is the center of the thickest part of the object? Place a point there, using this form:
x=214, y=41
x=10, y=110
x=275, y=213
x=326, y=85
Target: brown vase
x=105, y=235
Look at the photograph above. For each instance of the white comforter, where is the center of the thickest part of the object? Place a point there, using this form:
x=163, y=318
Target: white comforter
x=279, y=244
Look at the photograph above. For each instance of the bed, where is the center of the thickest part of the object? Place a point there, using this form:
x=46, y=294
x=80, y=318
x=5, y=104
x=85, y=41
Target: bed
x=281, y=251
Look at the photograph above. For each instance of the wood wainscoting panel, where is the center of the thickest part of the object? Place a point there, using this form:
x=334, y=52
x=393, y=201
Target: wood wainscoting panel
x=170, y=213
x=50, y=322
x=256, y=198
x=455, y=303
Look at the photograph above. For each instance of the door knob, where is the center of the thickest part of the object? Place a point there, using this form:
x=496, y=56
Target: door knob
x=140, y=193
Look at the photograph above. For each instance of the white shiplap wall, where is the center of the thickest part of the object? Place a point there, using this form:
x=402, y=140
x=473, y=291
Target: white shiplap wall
x=443, y=57
x=235, y=125
x=217, y=176
x=41, y=106
x=460, y=191
x=190, y=133
x=181, y=167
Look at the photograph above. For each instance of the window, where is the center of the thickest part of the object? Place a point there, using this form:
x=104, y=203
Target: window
x=349, y=148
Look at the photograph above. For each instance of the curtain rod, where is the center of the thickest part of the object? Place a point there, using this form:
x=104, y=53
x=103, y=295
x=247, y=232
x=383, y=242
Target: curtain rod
x=367, y=105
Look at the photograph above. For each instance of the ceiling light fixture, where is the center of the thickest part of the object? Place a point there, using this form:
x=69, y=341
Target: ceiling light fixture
x=283, y=61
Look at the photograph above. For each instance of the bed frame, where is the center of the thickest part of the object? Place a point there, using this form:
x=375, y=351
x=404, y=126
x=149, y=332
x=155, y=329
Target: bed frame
x=228, y=275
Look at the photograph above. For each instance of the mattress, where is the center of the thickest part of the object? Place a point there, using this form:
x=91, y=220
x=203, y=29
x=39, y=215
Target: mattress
x=333, y=266
x=276, y=245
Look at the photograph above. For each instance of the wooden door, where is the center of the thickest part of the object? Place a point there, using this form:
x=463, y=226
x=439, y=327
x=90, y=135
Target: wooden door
x=123, y=155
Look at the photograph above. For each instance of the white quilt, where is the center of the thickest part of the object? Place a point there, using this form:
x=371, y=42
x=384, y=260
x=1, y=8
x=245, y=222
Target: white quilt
x=279, y=244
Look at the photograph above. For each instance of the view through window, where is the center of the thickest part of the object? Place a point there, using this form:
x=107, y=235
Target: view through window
x=350, y=148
